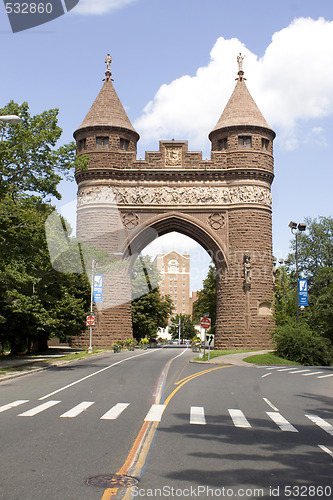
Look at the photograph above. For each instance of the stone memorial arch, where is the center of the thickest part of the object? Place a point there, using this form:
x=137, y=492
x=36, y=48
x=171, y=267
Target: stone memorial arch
x=223, y=203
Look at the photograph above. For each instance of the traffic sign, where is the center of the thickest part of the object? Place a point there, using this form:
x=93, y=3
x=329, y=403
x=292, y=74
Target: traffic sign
x=90, y=320
x=205, y=323
x=209, y=340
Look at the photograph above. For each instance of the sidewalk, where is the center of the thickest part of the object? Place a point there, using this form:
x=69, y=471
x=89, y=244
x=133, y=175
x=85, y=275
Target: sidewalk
x=234, y=359
x=16, y=367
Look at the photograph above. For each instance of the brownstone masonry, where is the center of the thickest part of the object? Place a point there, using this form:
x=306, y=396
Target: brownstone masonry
x=223, y=203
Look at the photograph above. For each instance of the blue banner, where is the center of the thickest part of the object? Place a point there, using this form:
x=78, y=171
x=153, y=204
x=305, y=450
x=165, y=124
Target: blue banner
x=303, y=292
x=98, y=288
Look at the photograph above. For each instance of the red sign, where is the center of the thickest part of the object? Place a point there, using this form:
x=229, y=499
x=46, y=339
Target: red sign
x=90, y=320
x=205, y=323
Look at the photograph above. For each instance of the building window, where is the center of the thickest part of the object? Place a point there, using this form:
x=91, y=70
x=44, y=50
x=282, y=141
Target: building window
x=264, y=143
x=102, y=142
x=173, y=266
x=222, y=144
x=244, y=141
x=183, y=268
x=82, y=144
x=124, y=143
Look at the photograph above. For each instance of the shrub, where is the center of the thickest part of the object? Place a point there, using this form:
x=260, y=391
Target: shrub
x=299, y=343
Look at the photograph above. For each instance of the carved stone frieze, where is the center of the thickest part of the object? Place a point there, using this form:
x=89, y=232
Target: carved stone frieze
x=169, y=196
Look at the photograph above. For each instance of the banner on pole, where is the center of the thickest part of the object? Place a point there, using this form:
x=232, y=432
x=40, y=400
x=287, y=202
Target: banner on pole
x=98, y=288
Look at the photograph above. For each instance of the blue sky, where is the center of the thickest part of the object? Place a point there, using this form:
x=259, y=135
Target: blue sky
x=174, y=66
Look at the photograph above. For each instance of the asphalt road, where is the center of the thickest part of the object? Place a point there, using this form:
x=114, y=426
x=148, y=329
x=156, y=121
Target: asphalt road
x=184, y=430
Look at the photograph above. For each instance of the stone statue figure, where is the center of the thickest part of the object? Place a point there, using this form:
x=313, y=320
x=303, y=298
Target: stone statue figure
x=108, y=61
x=240, y=60
x=247, y=269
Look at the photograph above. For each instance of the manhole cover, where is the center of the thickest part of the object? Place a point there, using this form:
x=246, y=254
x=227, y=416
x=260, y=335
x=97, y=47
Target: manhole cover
x=112, y=481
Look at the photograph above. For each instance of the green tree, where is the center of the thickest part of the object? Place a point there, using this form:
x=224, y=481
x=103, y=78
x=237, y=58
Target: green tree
x=36, y=302
x=187, y=329
x=29, y=160
x=315, y=257
x=285, y=296
x=150, y=310
x=206, y=303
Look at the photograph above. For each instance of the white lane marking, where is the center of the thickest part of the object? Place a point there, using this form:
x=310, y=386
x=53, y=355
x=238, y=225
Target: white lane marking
x=239, y=418
x=93, y=374
x=13, y=405
x=197, y=415
x=270, y=404
x=327, y=450
x=275, y=367
x=285, y=369
x=312, y=373
x=39, y=409
x=300, y=371
x=325, y=376
x=281, y=421
x=266, y=375
x=155, y=413
x=74, y=412
x=115, y=411
x=321, y=423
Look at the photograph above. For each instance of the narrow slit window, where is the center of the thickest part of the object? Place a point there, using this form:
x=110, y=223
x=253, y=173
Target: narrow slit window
x=245, y=141
x=222, y=144
x=264, y=143
x=124, y=143
x=102, y=142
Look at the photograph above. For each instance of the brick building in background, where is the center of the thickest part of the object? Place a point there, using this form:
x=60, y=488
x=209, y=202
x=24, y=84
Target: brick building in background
x=223, y=203
x=174, y=269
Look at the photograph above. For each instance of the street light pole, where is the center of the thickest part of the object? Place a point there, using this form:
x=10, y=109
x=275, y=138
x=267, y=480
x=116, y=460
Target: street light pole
x=90, y=349
x=301, y=227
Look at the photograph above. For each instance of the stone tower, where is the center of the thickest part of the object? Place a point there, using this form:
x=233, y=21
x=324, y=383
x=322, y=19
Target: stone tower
x=242, y=141
x=223, y=203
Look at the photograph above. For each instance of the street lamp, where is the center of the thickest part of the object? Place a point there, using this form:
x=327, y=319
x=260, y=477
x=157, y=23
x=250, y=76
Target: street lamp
x=296, y=229
x=11, y=119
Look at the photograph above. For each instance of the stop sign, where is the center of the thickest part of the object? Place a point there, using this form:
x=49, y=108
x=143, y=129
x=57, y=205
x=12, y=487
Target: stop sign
x=90, y=320
x=205, y=323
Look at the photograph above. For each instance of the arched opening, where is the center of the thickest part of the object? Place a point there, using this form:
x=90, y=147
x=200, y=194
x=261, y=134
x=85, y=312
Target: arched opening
x=164, y=241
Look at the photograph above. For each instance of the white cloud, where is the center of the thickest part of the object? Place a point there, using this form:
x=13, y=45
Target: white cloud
x=291, y=83
x=100, y=6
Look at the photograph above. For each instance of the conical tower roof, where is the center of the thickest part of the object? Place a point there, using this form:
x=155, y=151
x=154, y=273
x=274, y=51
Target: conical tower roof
x=107, y=110
x=241, y=110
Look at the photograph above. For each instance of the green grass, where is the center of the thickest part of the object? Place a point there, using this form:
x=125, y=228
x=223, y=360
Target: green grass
x=269, y=359
x=217, y=352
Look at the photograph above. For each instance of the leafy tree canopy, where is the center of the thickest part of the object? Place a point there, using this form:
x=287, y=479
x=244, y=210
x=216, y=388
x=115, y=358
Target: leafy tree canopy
x=29, y=159
x=187, y=329
x=206, y=303
x=150, y=310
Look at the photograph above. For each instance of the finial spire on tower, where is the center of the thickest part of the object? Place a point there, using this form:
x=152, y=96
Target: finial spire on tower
x=108, y=61
x=240, y=59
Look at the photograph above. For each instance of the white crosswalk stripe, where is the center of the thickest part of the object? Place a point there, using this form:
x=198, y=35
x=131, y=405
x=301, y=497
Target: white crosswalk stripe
x=115, y=411
x=321, y=423
x=39, y=409
x=13, y=405
x=74, y=412
x=238, y=418
x=281, y=421
x=155, y=413
x=197, y=415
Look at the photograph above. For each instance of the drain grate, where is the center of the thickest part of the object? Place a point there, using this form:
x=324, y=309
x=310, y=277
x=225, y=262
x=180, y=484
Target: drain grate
x=112, y=481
